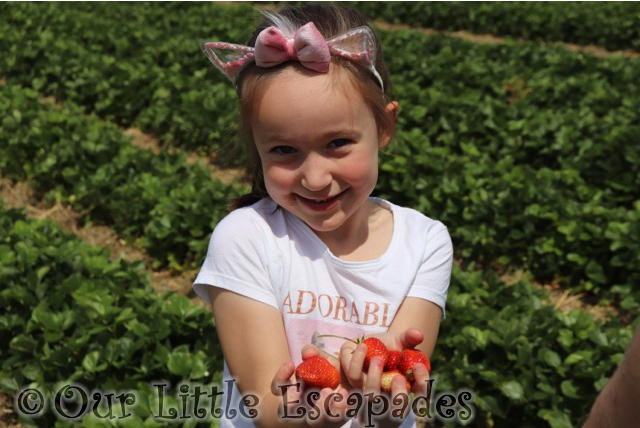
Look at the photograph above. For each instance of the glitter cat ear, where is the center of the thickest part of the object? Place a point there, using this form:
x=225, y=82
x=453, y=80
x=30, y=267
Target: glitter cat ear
x=359, y=46
x=227, y=57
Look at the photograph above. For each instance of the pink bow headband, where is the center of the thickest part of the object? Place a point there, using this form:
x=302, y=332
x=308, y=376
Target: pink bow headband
x=307, y=46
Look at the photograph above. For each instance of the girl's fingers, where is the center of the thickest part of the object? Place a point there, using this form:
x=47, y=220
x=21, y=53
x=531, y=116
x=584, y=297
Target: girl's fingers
x=421, y=386
x=336, y=405
x=374, y=375
x=421, y=376
x=354, y=370
x=399, y=397
x=317, y=416
x=310, y=351
x=411, y=337
x=282, y=377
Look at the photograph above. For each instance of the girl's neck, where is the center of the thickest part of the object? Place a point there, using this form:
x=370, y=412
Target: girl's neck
x=364, y=238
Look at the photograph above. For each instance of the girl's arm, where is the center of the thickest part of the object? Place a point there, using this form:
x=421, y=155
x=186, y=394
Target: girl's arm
x=422, y=315
x=415, y=325
x=617, y=404
x=255, y=347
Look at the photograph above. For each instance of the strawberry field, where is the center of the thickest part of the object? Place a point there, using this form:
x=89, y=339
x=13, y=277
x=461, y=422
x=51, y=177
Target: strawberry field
x=527, y=150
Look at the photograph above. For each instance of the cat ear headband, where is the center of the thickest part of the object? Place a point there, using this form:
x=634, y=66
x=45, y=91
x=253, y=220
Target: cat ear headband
x=307, y=46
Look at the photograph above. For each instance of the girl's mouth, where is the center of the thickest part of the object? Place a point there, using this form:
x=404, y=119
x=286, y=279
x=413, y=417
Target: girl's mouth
x=322, y=204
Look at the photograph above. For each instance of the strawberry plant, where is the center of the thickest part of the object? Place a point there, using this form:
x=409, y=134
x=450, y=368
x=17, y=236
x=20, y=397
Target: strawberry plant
x=161, y=200
x=612, y=25
x=72, y=315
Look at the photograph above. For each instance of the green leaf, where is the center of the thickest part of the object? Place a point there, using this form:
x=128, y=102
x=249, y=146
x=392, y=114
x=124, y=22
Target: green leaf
x=512, y=389
x=573, y=358
x=556, y=418
x=90, y=362
x=565, y=338
x=138, y=328
x=180, y=364
x=8, y=383
x=52, y=336
x=595, y=272
x=23, y=343
x=550, y=357
x=32, y=371
x=480, y=337
x=599, y=338
x=569, y=389
x=125, y=315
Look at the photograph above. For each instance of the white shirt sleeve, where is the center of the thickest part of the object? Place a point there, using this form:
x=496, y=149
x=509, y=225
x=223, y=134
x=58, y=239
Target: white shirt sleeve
x=237, y=260
x=434, y=275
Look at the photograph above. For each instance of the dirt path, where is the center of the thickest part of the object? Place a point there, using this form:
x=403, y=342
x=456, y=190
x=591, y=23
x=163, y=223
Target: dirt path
x=490, y=39
x=20, y=195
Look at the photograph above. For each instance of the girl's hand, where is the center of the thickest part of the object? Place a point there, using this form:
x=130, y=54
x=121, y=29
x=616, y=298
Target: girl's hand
x=352, y=357
x=398, y=399
x=330, y=406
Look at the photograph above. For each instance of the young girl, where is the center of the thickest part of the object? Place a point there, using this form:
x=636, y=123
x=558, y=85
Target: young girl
x=309, y=252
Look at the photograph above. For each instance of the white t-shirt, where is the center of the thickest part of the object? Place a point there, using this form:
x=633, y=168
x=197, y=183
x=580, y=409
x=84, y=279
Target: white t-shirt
x=268, y=254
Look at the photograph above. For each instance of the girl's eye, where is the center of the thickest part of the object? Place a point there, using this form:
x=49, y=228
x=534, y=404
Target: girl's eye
x=340, y=142
x=283, y=150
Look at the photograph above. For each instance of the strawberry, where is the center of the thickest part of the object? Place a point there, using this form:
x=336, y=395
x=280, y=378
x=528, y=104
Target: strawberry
x=317, y=372
x=387, y=378
x=392, y=361
x=375, y=348
x=408, y=359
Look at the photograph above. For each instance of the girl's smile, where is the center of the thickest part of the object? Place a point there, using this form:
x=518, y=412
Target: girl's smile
x=318, y=143
x=322, y=204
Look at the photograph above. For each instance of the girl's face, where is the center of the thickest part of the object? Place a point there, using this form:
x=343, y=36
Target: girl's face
x=318, y=143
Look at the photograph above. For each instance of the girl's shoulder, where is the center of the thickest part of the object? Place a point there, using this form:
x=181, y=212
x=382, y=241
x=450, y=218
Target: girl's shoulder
x=413, y=219
x=259, y=217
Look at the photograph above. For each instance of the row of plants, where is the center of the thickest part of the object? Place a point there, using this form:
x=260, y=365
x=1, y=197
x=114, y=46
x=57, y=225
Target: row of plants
x=132, y=64
x=72, y=315
x=520, y=180
x=168, y=206
x=611, y=25
x=526, y=363
x=148, y=70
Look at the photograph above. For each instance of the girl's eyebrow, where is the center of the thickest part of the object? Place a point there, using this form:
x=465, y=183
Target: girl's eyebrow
x=329, y=135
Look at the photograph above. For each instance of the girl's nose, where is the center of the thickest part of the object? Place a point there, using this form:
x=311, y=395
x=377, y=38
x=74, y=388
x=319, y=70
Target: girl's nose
x=316, y=173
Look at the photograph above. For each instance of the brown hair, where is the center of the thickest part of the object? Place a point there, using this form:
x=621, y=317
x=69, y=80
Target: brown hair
x=331, y=20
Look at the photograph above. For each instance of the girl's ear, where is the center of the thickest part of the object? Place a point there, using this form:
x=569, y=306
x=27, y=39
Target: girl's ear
x=387, y=133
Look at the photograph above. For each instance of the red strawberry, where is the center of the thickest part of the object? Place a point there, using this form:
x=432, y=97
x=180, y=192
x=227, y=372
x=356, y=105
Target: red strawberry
x=387, y=378
x=318, y=372
x=392, y=361
x=408, y=359
x=375, y=348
